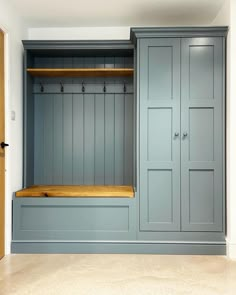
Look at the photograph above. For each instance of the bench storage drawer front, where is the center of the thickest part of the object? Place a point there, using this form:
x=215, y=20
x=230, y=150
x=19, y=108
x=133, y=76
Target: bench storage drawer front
x=73, y=219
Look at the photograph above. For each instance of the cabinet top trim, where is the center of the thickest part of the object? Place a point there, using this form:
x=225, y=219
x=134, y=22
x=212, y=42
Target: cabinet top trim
x=149, y=32
x=78, y=44
x=135, y=33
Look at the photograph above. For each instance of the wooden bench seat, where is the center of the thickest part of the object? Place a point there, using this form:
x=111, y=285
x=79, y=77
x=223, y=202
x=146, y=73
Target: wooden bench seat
x=77, y=191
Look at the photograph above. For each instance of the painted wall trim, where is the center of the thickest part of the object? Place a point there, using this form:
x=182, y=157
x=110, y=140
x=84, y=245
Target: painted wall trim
x=8, y=201
x=77, y=44
x=231, y=250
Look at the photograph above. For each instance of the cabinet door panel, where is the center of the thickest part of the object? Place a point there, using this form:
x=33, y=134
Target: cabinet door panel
x=159, y=134
x=202, y=134
x=160, y=82
x=201, y=71
x=201, y=196
x=159, y=86
x=160, y=196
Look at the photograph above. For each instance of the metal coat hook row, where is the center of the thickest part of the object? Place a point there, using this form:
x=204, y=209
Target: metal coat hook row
x=125, y=89
x=41, y=87
x=62, y=87
x=83, y=88
x=104, y=87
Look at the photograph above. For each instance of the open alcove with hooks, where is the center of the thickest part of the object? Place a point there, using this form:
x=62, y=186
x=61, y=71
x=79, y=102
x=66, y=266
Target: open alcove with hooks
x=79, y=116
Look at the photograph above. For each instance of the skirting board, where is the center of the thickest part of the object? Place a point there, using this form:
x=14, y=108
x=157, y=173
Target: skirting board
x=231, y=250
x=119, y=248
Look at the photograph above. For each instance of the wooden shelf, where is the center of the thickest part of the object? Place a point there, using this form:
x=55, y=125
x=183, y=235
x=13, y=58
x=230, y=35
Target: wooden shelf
x=90, y=72
x=77, y=191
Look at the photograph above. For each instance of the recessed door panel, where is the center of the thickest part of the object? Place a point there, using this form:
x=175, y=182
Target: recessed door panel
x=160, y=67
x=201, y=71
x=160, y=134
x=160, y=196
x=201, y=134
x=201, y=196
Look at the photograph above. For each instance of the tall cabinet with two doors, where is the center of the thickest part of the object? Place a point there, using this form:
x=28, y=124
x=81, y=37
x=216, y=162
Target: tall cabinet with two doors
x=182, y=137
x=178, y=152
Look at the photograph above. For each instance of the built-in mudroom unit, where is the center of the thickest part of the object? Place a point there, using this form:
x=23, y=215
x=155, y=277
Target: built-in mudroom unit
x=124, y=145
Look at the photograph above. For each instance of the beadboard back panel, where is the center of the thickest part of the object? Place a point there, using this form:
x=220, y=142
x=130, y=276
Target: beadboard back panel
x=71, y=61
x=83, y=139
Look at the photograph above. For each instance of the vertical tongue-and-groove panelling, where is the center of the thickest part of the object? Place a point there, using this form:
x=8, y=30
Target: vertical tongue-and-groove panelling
x=83, y=132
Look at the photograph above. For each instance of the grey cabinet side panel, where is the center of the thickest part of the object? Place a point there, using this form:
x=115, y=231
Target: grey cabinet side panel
x=28, y=153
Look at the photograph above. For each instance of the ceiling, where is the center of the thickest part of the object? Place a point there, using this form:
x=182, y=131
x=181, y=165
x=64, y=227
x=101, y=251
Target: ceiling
x=92, y=13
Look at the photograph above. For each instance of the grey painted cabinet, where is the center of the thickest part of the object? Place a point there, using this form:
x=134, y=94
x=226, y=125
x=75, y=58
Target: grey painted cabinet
x=181, y=134
x=161, y=131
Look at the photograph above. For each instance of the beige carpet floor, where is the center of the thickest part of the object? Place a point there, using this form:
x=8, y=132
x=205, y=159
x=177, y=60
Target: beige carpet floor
x=116, y=274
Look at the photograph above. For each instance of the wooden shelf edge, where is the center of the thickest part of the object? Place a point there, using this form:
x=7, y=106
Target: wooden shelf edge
x=80, y=191
x=89, y=72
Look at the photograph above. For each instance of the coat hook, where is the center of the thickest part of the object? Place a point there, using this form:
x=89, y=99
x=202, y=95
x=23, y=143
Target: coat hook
x=83, y=88
x=125, y=87
x=62, y=87
x=41, y=87
x=104, y=87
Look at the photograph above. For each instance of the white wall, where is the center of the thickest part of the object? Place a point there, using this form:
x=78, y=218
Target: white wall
x=14, y=31
x=232, y=135
x=227, y=16
x=79, y=33
x=223, y=16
